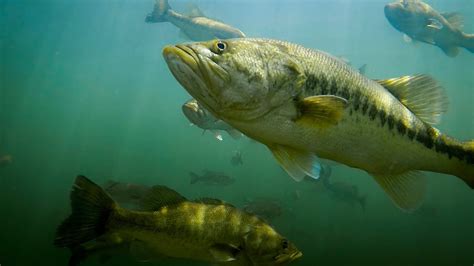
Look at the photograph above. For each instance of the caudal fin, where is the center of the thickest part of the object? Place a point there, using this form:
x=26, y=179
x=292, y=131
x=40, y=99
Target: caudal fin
x=159, y=12
x=91, y=208
x=468, y=42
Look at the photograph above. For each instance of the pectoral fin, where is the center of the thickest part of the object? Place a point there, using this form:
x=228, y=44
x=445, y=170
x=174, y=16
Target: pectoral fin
x=407, y=191
x=296, y=163
x=323, y=110
x=224, y=252
x=434, y=24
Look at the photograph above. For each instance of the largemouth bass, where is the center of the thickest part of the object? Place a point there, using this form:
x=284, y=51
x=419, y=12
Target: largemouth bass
x=203, y=119
x=419, y=21
x=301, y=102
x=205, y=230
x=196, y=27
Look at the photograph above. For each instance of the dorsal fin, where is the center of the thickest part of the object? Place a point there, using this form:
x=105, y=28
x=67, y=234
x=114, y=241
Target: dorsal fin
x=212, y=201
x=455, y=19
x=160, y=196
x=193, y=11
x=421, y=94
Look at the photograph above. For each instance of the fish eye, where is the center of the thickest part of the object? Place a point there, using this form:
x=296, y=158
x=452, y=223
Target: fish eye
x=284, y=243
x=220, y=47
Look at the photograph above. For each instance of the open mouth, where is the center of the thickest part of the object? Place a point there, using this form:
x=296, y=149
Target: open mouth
x=192, y=106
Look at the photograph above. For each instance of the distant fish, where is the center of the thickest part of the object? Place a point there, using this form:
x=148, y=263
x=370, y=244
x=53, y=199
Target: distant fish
x=6, y=160
x=265, y=208
x=236, y=159
x=421, y=22
x=206, y=230
x=211, y=178
x=196, y=26
x=127, y=194
x=203, y=119
x=344, y=192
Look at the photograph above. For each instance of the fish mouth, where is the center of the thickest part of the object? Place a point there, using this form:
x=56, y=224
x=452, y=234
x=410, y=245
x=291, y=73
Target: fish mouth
x=192, y=105
x=286, y=258
x=182, y=53
x=183, y=59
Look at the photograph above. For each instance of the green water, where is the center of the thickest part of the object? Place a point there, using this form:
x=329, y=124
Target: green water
x=84, y=90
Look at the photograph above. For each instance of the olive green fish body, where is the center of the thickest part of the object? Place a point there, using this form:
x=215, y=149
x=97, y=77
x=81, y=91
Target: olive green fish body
x=187, y=230
x=169, y=226
x=196, y=27
x=301, y=102
x=419, y=21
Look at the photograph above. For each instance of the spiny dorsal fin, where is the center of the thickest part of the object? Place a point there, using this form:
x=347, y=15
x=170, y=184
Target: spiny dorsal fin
x=421, y=94
x=212, y=201
x=407, y=190
x=297, y=164
x=160, y=196
x=455, y=19
x=322, y=110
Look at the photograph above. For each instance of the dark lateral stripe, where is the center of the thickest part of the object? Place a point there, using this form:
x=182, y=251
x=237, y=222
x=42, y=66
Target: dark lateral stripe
x=426, y=136
x=454, y=148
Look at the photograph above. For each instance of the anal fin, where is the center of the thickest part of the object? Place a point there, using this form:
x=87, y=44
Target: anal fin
x=407, y=190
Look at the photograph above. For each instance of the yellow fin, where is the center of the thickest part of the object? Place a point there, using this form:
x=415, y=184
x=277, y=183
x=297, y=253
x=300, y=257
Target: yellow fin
x=158, y=197
x=224, y=252
x=421, y=94
x=323, y=110
x=455, y=19
x=296, y=163
x=407, y=190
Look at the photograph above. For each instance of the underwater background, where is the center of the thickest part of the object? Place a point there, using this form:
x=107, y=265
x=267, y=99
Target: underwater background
x=84, y=90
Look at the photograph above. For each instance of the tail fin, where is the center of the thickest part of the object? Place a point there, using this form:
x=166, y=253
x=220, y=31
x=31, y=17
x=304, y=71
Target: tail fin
x=91, y=208
x=468, y=42
x=194, y=177
x=159, y=12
